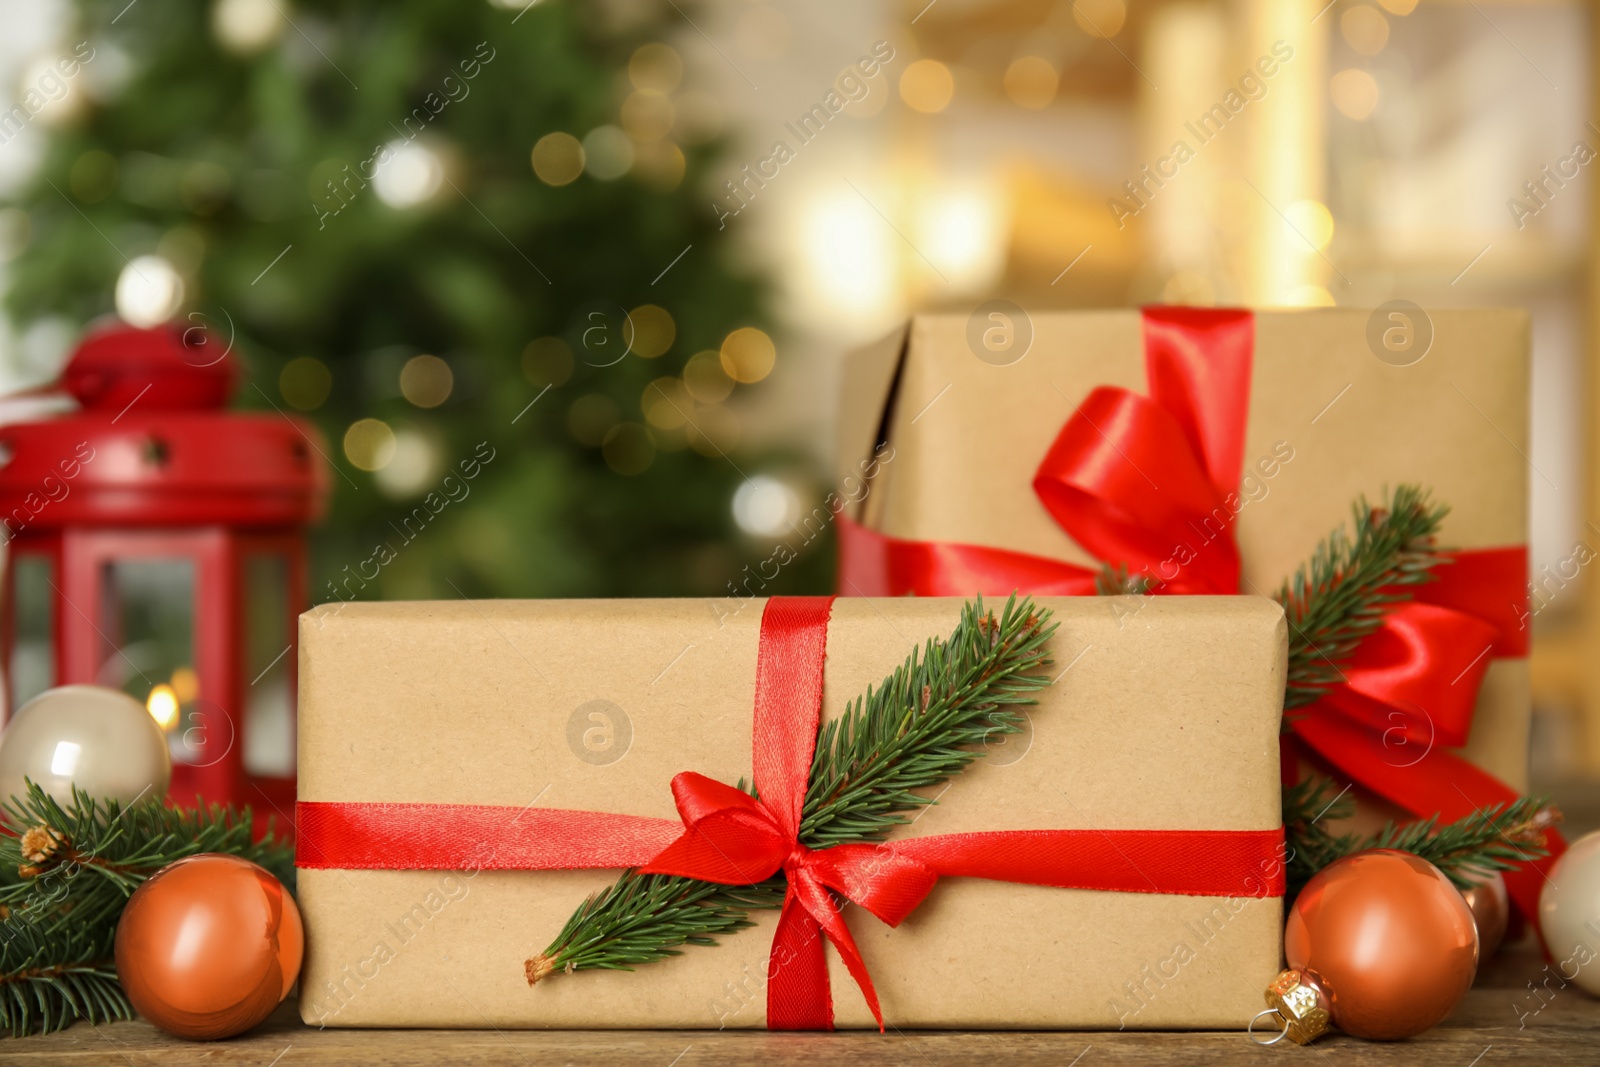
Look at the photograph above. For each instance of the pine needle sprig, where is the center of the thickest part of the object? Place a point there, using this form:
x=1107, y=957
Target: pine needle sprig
x=1308, y=811
x=1341, y=596
x=1496, y=838
x=78, y=864
x=1115, y=579
x=920, y=727
x=642, y=918
x=1500, y=837
x=913, y=732
x=51, y=978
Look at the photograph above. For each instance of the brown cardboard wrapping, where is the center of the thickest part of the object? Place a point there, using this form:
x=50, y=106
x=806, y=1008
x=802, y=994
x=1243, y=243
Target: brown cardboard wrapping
x=965, y=438
x=1164, y=717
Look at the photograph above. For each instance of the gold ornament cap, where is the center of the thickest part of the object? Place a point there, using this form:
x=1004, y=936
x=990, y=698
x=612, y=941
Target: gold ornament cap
x=1298, y=1000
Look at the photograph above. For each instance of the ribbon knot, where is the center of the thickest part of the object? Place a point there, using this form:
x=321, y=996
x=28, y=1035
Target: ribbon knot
x=733, y=838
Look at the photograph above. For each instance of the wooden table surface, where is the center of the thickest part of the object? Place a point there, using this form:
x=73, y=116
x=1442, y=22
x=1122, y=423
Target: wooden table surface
x=1496, y=1024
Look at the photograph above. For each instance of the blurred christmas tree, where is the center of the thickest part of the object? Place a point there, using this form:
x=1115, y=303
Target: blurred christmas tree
x=434, y=227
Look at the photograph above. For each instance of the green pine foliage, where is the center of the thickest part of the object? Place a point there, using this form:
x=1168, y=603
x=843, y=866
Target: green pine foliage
x=50, y=979
x=65, y=876
x=221, y=162
x=1495, y=838
x=1340, y=596
x=924, y=724
x=921, y=727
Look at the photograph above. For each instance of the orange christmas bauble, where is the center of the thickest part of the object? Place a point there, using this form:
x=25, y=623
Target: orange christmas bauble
x=209, y=946
x=1389, y=938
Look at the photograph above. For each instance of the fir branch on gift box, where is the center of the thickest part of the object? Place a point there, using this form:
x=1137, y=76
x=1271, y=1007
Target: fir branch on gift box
x=1496, y=838
x=918, y=728
x=78, y=864
x=52, y=978
x=642, y=918
x=915, y=731
x=1340, y=597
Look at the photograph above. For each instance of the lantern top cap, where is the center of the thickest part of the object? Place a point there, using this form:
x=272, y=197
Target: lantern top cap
x=165, y=368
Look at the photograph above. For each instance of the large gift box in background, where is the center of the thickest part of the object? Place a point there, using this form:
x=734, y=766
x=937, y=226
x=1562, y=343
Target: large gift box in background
x=1290, y=416
x=1162, y=717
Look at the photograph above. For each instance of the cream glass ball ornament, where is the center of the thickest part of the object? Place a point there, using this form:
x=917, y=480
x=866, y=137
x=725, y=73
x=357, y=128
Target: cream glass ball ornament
x=101, y=740
x=1569, y=913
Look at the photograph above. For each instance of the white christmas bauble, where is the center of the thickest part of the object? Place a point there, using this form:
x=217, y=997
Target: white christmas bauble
x=101, y=740
x=1569, y=913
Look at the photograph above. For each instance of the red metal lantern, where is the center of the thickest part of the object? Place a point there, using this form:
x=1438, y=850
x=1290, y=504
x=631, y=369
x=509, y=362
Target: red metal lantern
x=155, y=543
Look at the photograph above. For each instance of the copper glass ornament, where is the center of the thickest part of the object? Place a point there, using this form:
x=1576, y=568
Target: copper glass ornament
x=1383, y=941
x=1491, y=910
x=209, y=946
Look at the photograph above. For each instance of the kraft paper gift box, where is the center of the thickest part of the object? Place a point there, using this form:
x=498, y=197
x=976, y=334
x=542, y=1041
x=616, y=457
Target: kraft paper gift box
x=1166, y=719
x=942, y=432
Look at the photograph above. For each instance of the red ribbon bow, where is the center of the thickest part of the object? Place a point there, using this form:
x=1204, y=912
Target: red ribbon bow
x=1151, y=482
x=730, y=837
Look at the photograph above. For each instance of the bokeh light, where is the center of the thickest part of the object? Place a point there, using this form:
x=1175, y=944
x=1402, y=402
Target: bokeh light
x=149, y=291
x=666, y=404
x=369, y=444
x=927, y=86
x=426, y=381
x=705, y=379
x=304, y=383
x=1354, y=93
x=414, y=466
x=244, y=27
x=1364, y=29
x=411, y=175
x=1312, y=220
x=653, y=330
x=608, y=153
x=763, y=506
x=558, y=159
x=748, y=354
x=647, y=116
x=655, y=67
x=1031, y=82
x=1100, y=18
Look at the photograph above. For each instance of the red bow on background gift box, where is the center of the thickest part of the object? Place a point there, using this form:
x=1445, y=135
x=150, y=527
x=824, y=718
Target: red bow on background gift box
x=730, y=837
x=1152, y=482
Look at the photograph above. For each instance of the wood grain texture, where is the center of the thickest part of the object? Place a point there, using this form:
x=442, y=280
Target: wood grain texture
x=1483, y=1032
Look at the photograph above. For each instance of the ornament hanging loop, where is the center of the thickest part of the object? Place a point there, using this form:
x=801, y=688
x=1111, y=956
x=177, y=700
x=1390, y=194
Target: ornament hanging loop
x=1251, y=1029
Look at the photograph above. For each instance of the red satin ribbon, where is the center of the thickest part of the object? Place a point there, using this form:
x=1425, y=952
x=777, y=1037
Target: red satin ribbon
x=731, y=837
x=1151, y=482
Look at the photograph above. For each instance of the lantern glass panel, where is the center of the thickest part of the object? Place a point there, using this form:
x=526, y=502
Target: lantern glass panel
x=269, y=667
x=33, y=655
x=149, y=626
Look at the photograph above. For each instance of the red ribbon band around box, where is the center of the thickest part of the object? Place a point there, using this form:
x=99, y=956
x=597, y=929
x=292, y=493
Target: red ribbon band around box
x=1151, y=483
x=730, y=837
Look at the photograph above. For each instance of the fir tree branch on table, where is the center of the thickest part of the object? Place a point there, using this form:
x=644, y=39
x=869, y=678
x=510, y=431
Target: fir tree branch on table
x=66, y=873
x=52, y=978
x=1496, y=838
x=915, y=731
x=1340, y=597
x=78, y=865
